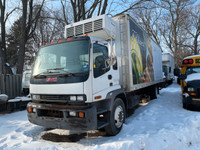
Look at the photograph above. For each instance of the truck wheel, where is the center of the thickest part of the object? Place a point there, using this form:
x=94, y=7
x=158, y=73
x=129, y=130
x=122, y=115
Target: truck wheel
x=116, y=117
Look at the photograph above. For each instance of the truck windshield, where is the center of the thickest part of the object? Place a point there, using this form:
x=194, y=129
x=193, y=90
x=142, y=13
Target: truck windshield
x=191, y=70
x=64, y=58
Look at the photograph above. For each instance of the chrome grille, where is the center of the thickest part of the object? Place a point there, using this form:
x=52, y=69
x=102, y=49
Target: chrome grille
x=54, y=97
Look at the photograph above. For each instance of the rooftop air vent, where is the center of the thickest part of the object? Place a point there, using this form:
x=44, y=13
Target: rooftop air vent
x=101, y=27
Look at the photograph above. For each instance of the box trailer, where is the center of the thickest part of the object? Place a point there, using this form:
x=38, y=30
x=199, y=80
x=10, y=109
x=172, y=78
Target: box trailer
x=95, y=76
x=168, y=67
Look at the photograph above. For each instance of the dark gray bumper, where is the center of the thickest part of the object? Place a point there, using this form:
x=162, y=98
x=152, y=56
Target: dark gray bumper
x=191, y=100
x=57, y=116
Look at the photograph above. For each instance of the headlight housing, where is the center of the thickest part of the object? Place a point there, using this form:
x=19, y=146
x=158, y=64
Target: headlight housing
x=190, y=89
x=80, y=98
x=35, y=97
x=72, y=98
x=77, y=98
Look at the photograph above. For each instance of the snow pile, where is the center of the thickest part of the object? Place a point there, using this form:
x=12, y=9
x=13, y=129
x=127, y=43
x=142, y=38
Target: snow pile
x=162, y=124
x=19, y=99
x=194, y=76
x=3, y=97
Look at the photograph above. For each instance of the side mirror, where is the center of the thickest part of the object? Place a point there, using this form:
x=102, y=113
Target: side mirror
x=110, y=61
x=177, y=72
x=182, y=76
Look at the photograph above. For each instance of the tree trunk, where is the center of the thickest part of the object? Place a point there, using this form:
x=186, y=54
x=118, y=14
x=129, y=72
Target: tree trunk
x=196, y=45
x=3, y=40
x=20, y=62
x=104, y=7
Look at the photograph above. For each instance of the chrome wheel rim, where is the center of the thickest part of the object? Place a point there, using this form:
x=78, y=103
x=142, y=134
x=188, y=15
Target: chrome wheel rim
x=118, y=116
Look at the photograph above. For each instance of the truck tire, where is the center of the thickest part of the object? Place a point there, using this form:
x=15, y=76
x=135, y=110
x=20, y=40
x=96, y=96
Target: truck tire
x=116, y=117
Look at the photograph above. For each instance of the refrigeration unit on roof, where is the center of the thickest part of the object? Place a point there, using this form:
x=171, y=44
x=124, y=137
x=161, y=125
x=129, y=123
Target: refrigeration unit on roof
x=101, y=27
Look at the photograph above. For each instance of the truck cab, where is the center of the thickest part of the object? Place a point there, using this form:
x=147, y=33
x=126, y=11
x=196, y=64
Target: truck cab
x=75, y=82
x=190, y=81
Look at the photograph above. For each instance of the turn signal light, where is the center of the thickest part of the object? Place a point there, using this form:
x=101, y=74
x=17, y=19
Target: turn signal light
x=81, y=114
x=98, y=97
x=69, y=39
x=30, y=110
x=60, y=41
x=52, y=42
x=193, y=94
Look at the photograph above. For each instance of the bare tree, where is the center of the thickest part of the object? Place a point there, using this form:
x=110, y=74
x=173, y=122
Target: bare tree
x=172, y=24
x=3, y=37
x=81, y=12
x=192, y=26
x=28, y=25
x=149, y=17
x=50, y=27
x=3, y=18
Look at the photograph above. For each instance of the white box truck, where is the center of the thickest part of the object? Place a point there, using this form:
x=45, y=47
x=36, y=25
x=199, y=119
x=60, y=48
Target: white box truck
x=168, y=67
x=92, y=78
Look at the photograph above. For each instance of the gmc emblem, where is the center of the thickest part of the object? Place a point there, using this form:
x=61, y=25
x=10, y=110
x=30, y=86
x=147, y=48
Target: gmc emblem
x=51, y=79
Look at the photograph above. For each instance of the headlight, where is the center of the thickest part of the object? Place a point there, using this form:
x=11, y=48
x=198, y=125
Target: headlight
x=35, y=97
x=72, y=98
x=191, y=89
x=79, y=98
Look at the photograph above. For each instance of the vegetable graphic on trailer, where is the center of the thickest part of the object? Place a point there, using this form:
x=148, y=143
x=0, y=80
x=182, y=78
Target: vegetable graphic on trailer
x=141, y=53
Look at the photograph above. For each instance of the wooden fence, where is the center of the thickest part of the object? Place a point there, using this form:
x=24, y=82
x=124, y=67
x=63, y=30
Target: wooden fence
x=11, y=85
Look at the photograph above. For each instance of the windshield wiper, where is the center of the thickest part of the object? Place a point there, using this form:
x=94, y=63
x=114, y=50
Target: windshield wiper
x=55, y=69
x=65, y=72
x=40, y=75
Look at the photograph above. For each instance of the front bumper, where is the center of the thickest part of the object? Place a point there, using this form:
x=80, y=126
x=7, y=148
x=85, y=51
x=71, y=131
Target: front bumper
x=57, y=116
x=191, y=100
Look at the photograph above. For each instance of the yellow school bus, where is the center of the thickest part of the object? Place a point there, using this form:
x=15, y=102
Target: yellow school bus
x=190, y=81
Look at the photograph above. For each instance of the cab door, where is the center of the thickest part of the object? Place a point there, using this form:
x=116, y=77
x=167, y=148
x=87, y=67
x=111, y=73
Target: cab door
x=101, y=73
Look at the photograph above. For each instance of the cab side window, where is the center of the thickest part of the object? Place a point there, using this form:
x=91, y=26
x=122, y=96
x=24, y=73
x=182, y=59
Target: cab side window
x=100, y=54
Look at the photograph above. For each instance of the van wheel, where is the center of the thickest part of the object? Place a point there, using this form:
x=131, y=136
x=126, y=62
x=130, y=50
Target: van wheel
x=116, y=118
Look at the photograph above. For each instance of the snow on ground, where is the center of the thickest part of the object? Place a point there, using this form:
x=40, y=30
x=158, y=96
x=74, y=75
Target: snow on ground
x=161, y=125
